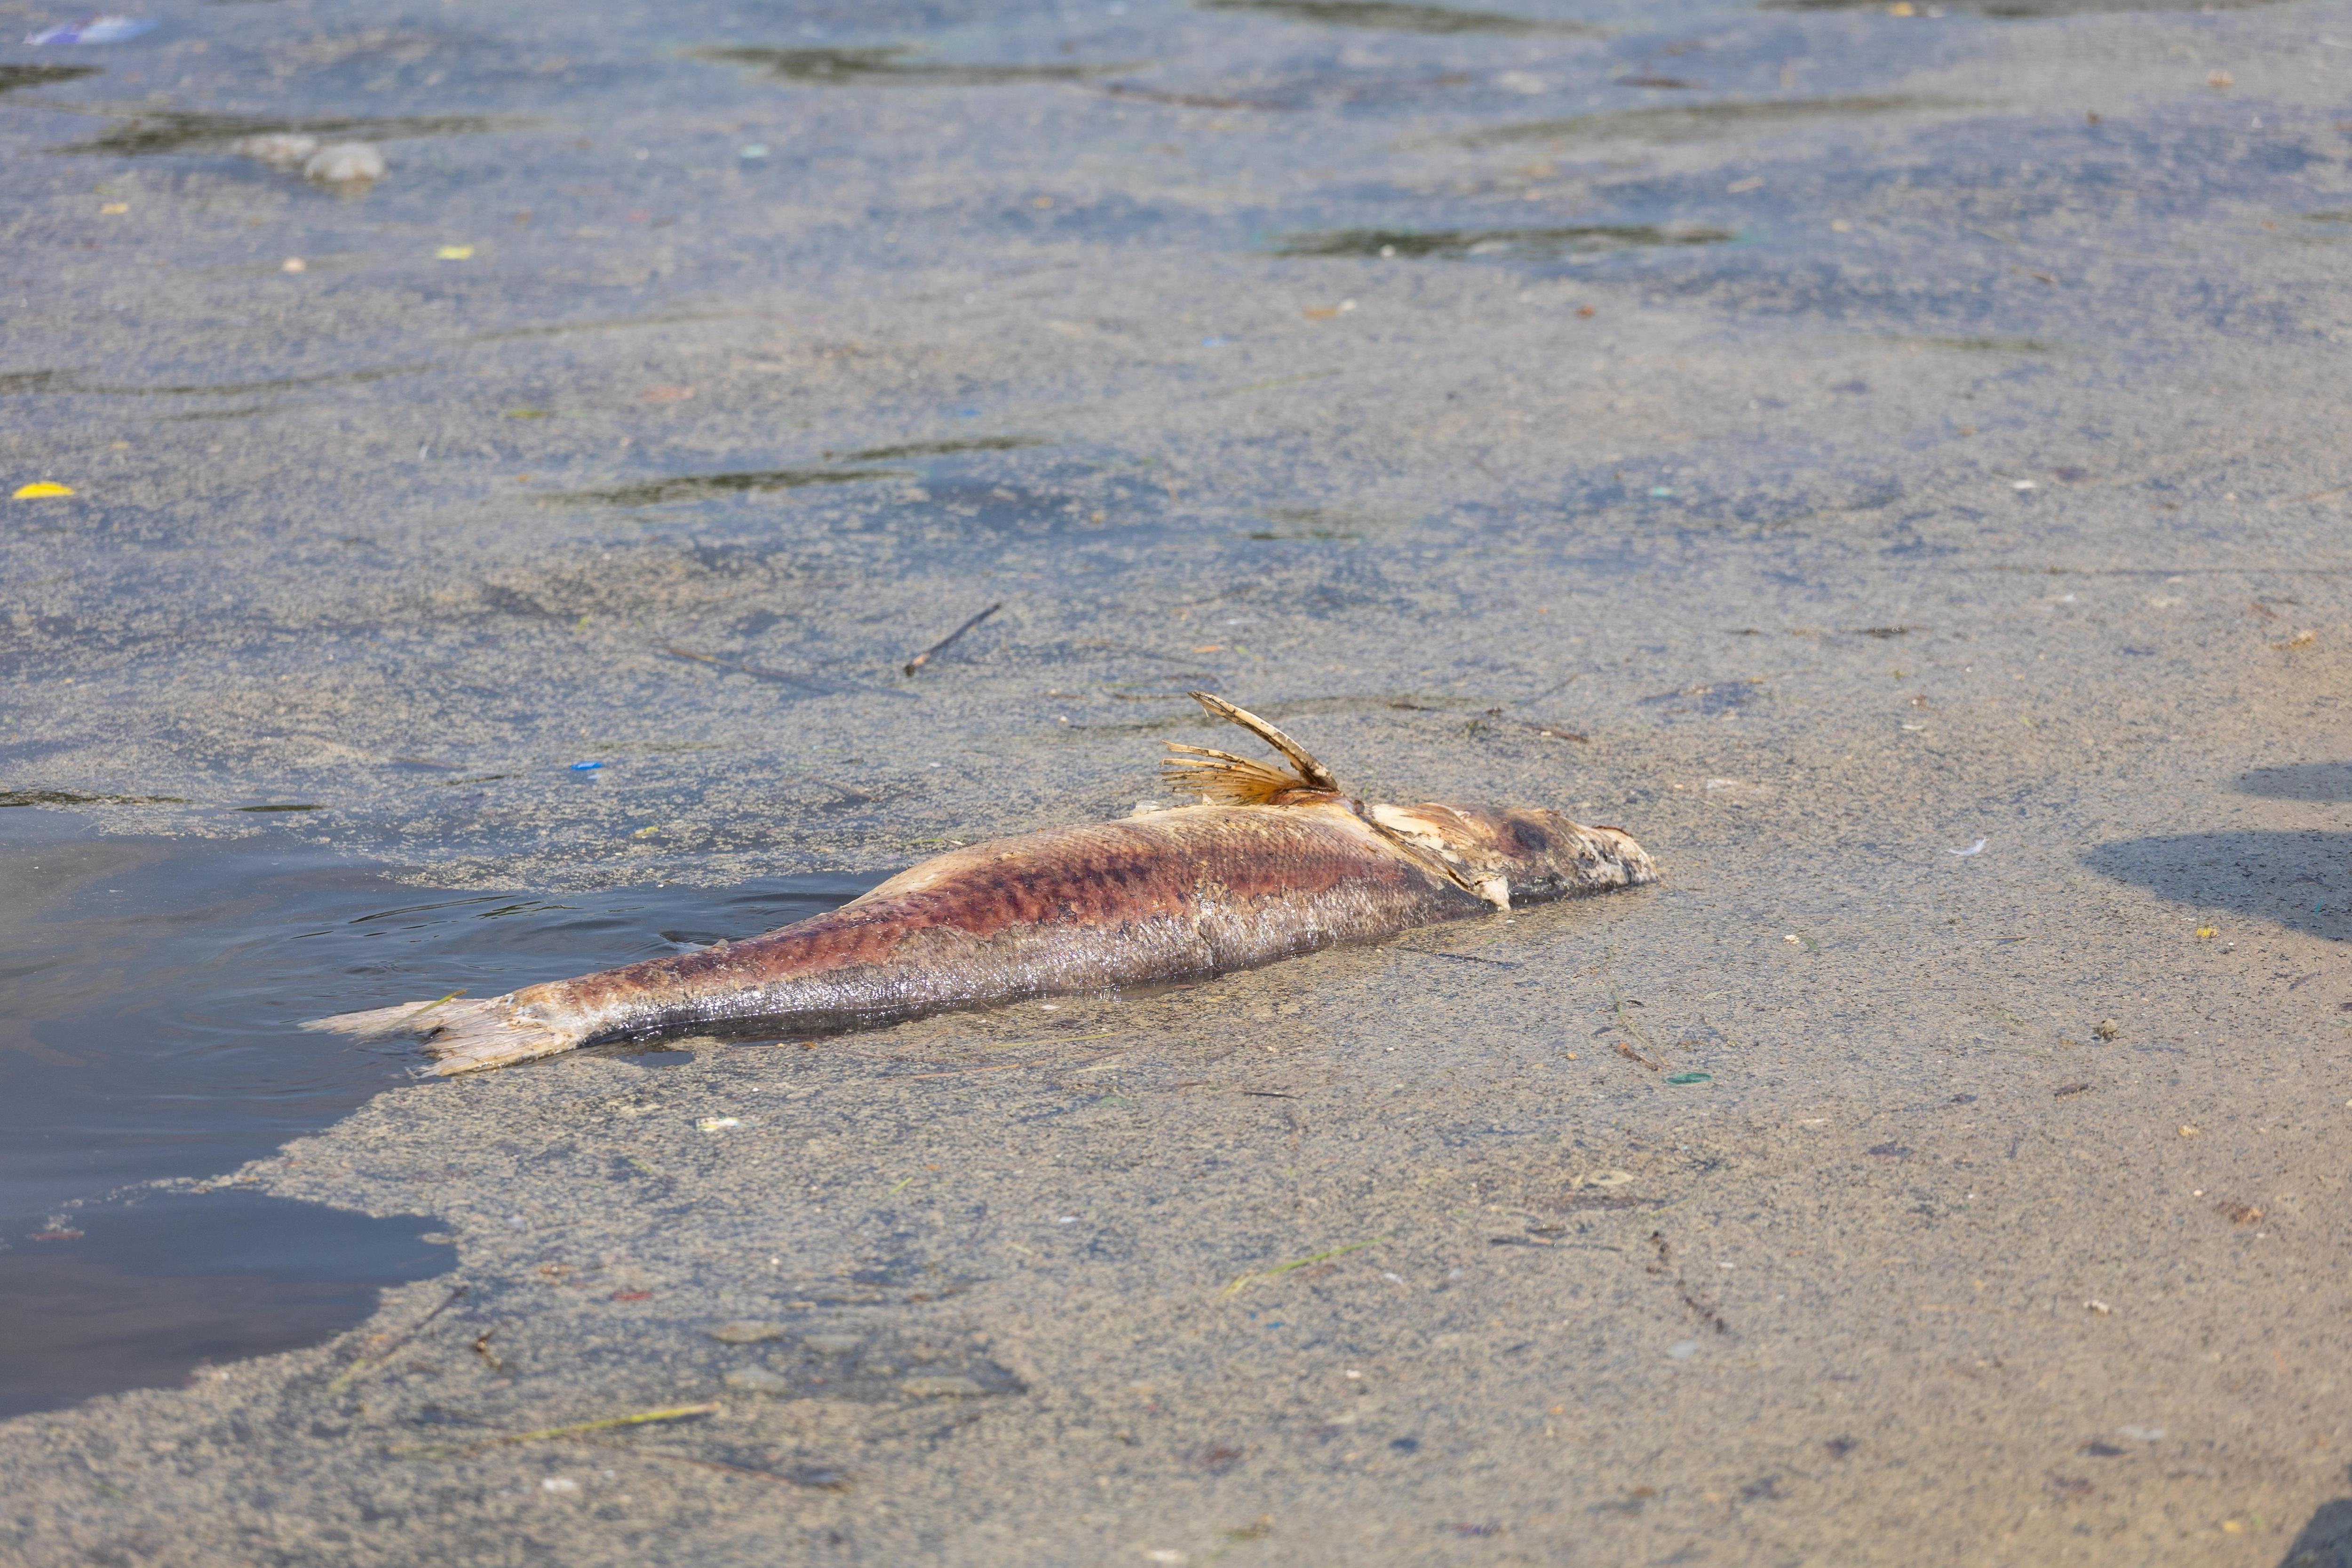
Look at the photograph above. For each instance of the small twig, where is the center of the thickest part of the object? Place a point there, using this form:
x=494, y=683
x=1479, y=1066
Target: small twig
x=1633, y=1053
x=924, y=657
x=1647, y=1054
x=958, y=1072
x=1462, y=957
x=675, y=1413
x=1234, y=1289
x=836, y=1485
x=409, y=1018
x=360, y=1369
x=756, y=671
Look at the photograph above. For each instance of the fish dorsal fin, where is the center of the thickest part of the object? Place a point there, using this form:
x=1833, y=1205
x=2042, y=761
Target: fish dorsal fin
x=1237, y=781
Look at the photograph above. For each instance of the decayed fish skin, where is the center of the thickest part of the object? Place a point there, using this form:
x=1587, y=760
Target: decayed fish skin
x=1278, y=863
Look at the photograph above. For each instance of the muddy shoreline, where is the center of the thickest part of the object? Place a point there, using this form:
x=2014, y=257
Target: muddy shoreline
x=1885, y=459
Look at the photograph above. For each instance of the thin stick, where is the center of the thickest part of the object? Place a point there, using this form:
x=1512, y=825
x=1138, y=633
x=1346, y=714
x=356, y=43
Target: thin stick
x=715, y=1465
x=409, y=1018
x=814, y=683
x=674, y=1413
x=360, y=1369
x=545, y=1434
x=984, y=1067
x=924, y=657
x=1234, y=1289
x=756, y=671
x=1461, y=957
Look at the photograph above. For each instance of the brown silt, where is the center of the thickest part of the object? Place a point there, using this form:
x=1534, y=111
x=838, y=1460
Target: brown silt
x=1276, y=862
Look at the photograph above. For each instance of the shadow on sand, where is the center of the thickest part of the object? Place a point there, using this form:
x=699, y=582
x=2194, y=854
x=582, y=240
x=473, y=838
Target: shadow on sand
x=2302, y=879
x=2301, y=781
x=2326, y=1542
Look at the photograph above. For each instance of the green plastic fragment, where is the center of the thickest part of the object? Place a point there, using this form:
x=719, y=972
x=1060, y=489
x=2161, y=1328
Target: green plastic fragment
x=1692, y=1078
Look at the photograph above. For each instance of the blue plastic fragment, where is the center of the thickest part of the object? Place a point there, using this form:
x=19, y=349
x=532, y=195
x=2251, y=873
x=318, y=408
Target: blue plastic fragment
x=91, y=30
x=1660, y=490
x=585, y=767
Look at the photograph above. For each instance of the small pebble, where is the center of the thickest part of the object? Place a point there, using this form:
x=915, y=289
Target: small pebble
x=746, y=1332
x=758, y=1380
x=833, y=1344
x=352, y=165
x=281, y=150
x=940, y=1387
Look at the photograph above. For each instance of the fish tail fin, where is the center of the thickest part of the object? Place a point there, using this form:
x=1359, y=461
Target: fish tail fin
x=1237, y=781
x=408, y=1018
x=460, y=1037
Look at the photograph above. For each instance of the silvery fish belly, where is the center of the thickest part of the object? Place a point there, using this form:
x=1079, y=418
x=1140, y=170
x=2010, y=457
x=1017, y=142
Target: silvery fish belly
x=1277, y=861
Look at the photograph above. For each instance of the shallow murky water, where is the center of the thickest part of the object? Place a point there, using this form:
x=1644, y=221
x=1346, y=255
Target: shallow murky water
x=1790, y=429
x=153, y=1000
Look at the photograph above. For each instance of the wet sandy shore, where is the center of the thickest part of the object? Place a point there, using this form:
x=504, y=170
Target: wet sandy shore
x=1898, y=475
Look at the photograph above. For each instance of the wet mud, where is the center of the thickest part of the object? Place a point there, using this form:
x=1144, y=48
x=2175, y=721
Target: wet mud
x=515, y=566
x=1388, y=16
x=1503, y=244
x=890, y=65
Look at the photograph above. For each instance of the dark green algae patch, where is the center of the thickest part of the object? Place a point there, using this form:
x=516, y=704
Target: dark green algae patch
x=1696, y=122
x=887, y=65
x=947, y=449
x=1508, y=243
x=15, y=76
x=762, y=482
x=185, y=131
x=2029, y=10
x=704, y=487
x=1392, y=16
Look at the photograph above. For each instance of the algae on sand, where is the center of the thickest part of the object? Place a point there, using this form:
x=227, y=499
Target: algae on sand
x=703, y=486
x=887, y=66
x=14, y=77
x=1694, y=121
x=186, y=131
x=1395, y=16
x=1511, y=244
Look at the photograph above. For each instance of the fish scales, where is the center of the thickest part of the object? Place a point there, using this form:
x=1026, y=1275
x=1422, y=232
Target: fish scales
x=1280, y=863
x=1195, y=892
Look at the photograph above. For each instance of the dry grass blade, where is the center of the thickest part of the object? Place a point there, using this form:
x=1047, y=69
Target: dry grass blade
x=1280, y=1269
x=924, y=657
x=574, y=1429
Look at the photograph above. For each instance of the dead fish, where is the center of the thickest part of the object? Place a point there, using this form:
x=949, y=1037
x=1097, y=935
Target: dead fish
x=1276, y=862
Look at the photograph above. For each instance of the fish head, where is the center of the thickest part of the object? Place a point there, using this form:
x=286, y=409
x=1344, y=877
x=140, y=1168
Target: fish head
x=1517, y=855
